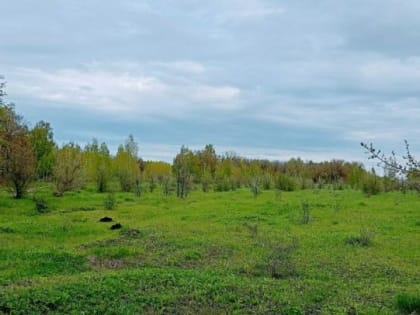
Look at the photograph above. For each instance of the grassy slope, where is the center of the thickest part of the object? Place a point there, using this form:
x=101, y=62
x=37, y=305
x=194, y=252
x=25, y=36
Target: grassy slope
x=199, y=256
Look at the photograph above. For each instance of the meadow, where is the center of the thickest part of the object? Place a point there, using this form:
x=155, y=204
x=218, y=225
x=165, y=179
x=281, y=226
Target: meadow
x=318, y=251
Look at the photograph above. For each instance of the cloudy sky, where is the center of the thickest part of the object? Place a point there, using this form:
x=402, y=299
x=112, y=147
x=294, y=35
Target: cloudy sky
x=264, y=78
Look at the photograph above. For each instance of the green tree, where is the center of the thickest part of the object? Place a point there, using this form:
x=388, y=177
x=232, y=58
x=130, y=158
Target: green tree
x=43, y=146
x=69, y=171
x=183, y=170
x=98, y=164
x=126, y=169
x=208, y=160
x=103, y=168
x=132, y=147
x=17, y=160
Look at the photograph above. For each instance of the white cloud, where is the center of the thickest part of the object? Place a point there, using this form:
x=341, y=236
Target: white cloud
x=188, y=66
x=123, y=92
x=215, y=95
x=247, y=9
x=391, y=73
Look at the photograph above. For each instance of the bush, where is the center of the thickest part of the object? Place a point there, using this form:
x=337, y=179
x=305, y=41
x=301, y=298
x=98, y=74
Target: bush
x=279, y=259
x=224, y=184
x=41, y=204
x=206, y=182
x=371, y=185
x=285, y=183
x=267, y=181
x=408, y=304
x=110, y=202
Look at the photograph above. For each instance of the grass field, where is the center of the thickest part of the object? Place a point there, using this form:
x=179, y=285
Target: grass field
x=212, y=253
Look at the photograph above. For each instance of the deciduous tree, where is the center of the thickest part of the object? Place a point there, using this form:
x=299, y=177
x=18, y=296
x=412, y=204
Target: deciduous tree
x=98, y=164
x=69, y=170
x=43, y=146
x=17, y=160
x=183, y=169
x=126, y=169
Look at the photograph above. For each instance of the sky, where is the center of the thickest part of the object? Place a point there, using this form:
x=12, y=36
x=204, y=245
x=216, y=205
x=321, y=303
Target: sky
x=263, y=78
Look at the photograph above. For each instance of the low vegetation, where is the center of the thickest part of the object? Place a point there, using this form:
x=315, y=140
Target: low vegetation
x=215, y=252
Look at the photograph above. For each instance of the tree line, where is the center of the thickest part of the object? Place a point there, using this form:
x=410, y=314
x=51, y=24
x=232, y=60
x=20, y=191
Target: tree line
x=29, y=155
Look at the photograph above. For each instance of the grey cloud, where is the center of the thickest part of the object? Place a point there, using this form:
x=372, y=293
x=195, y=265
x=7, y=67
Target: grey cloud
x=341, y=70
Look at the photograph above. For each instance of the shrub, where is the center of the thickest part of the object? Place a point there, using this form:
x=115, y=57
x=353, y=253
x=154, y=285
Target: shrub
x=41, y=204
x=365, y=238
x=110, y=202
x=279, y=259
x=224, y=184
x=408, y=304
x=371, y=185
x=306, y=215
x=267, y=181
x=69, y=169
x=206, y=182
x=285, y=183
x=306, y=183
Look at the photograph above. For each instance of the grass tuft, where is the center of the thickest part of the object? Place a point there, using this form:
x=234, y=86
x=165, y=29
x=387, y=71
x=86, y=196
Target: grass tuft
x=408, y=304
x=364, y=239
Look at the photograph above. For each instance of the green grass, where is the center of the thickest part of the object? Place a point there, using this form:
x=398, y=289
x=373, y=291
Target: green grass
x=211, y=253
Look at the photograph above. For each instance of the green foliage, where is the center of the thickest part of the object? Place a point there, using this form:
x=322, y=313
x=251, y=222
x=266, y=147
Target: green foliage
x=17, y=159
x=183, y=168
x=110, y=202
x=43, y=145
x=371, y=184
x=267, y=181
x=152, y=184
x=41, y=204
x=157, y=172
x=69, y=170
x=224, y=184
x=167, y=185
x=408, y=304
x=126, y=168
x=285, y=183
x=211, y=253
x=131, y=147
x=99, y=164
x=208, y=162
x=206, y=182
